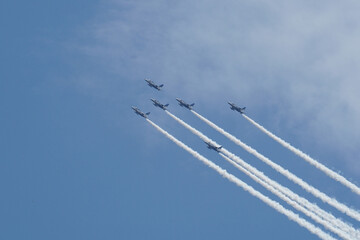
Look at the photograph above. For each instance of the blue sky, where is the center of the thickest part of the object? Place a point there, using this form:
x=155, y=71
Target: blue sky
x=76, y=163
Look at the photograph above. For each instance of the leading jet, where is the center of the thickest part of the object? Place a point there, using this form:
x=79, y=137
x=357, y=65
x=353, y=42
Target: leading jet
x=213, y=147
x=184, y=104
x=158, y=104
x=236, y=108
x=138, y=112
x=153, y=85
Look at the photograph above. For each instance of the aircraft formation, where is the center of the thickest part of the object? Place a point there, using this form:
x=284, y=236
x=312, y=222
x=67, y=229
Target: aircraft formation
x=181, y=102
x=318, y=216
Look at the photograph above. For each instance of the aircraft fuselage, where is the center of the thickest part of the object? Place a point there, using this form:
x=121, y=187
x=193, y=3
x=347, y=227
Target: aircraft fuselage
x=158, y=104
x=140, y=113
x=153, y=85
x=236, y=108
x=213, y=147
x=184, y=104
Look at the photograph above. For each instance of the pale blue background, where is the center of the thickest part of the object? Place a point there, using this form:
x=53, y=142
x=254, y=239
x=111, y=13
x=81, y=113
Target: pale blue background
x=76, y=163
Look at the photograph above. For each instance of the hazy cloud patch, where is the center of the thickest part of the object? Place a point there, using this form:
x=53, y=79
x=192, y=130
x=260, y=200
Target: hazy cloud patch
x=301, y=59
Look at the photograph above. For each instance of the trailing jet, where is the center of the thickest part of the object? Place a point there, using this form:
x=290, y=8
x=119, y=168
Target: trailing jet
x=153, y=85
x=184, y=104
x=138, y=112
x=236, y=108
x=213, y=147
x=158, y=104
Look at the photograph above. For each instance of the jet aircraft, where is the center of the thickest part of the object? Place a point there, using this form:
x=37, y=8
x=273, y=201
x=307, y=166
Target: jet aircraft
x=138, y=112
x=153, y=85
x=236, y=108
x=213, y=147
x=184, y=104
x=158, y=104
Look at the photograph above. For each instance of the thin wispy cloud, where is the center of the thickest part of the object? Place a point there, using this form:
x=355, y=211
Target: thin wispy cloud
x=301, y=59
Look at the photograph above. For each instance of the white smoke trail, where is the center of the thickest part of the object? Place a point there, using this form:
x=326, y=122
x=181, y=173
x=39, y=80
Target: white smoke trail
x=339, y=231
x=312, y=207
x=307, y=158
x=277, y=206
x=304, y=202
x=193, y=130
x=325, y=198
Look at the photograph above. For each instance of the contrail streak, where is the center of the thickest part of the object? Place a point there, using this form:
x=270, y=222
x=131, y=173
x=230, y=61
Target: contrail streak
x=317, y=193
x=287, y=192
x=312, y=207
x=307, y=158
x=277, y=206
x=339, y=231
x=193, y=130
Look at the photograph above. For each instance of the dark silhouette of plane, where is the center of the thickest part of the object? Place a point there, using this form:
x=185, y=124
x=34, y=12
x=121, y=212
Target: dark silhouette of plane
x=138, y=112
x=184, y=104
x=236, y=108
x=153, y=85
x=158, y=104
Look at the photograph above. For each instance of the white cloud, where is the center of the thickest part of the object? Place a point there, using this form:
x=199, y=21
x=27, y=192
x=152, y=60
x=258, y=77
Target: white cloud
x=300, y=58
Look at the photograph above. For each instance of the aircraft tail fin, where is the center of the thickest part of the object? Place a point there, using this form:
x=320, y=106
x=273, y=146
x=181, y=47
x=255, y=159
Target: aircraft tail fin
x=147, y=113
x=161, y=85
x=192, y=104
